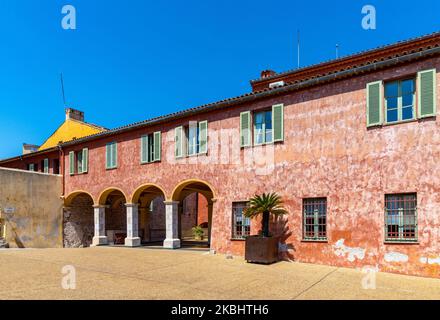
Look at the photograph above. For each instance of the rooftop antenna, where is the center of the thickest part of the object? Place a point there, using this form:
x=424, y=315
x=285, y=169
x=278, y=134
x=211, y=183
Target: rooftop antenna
x=337, y=51
x=298, y=44
x=62, y=90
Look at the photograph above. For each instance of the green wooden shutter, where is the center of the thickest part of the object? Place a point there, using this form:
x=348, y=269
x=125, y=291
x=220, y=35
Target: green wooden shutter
x=427, y=103
x=72, y=162
x=278, y=122
x=46, y=165
x=31, y=167
x=178, y=141
x=157, y=145
x=114, y=154
x=110, y=155
x=85, y=160
x=245, y=129
x=374, y=103
x=144, y=149
x=203, y=136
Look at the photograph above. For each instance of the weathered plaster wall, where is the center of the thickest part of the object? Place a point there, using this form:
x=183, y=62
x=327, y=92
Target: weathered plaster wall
x=31, y=204
x=327, y=152
x=22, y=164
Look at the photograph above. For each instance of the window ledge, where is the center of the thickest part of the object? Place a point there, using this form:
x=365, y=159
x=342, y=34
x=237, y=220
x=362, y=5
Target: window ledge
x=108, y=169
x=400, y=242
x=238, y=239
x=144, y=163
x=315, y=240
x=262, y=144
x=386, y=124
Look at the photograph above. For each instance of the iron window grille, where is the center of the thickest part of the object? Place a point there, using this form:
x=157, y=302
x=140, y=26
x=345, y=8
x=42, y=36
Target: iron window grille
x=401, y=217
x=315, y=219
x=241, y=225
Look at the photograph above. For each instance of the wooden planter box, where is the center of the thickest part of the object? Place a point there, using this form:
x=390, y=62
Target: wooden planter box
x=261, y=249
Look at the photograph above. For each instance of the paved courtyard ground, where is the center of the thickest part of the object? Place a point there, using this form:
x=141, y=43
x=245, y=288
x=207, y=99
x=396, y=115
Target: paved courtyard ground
x=147, y=273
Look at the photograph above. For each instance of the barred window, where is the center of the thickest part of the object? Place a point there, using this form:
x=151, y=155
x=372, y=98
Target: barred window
x=241, y=225
x=315, y=219
x=401, y=217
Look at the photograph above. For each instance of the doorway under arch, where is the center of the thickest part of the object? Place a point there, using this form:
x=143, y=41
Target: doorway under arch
x=195, y=207
x=151, y=213
x=114, y=201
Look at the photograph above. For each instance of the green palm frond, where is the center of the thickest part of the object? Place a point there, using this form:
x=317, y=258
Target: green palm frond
x=270, y=202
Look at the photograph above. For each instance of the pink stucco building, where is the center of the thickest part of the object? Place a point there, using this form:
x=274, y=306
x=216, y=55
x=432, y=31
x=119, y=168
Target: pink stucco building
x=352, y=146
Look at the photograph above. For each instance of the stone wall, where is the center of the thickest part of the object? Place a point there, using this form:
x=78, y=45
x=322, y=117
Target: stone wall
x=78, y=222
x=31, y=206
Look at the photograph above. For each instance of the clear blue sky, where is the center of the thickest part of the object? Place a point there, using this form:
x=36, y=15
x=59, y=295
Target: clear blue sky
x=132, y=60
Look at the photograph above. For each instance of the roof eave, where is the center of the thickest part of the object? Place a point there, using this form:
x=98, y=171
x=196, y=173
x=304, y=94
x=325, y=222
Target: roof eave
x=264, y=94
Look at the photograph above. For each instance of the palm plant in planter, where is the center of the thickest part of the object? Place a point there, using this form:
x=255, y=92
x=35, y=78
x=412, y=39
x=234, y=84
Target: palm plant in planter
x=263, y=248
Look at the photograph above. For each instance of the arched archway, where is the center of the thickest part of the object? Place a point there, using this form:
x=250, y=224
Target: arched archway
x=78, y=227
x=194, y=199
x=151, y=213
x=103, y=197
x=113, y=201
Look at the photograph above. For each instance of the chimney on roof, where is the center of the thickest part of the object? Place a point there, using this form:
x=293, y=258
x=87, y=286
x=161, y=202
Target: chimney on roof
x=29, y=148
x=74, y=114
x=267, y=74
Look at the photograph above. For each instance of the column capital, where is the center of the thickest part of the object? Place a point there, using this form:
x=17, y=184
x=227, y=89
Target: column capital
x=213, y=200
x=171, y=202
x=132, y=205
x=101, y=206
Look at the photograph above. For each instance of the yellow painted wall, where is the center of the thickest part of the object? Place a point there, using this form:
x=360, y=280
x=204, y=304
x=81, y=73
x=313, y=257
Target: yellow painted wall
x=31, y=207
x=68, y=130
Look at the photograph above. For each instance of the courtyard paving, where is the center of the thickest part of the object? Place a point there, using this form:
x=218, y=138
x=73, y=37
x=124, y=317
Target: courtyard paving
x=147, y=273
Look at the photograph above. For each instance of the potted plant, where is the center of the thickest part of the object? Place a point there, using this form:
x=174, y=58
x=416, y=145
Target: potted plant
x=263, y=248
x=198, y=233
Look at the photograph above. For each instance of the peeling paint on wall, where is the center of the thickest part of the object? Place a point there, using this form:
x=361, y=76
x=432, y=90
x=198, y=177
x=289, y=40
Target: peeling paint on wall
x=351, y=253
x=430, y=260
x=395, y=257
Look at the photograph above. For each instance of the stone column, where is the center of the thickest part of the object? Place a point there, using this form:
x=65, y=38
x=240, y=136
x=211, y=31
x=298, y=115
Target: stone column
x=100, y=238
x=172, y=240
x=132, y=239
x=210, y=205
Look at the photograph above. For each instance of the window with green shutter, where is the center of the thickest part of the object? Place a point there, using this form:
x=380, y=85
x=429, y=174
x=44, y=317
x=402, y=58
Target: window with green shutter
x=144, y=149
x=374, y=103
x=151, y=147
x=191, y=140
x=178, y=142
x=203, y=136
x=278, y=122
x=157, y=148
x=245, y=129
x=85, y=160
x=46, y=165
x=79, y=161
x=31, y=167
x=111, y=155
x=72, y=162
x=427, y=93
